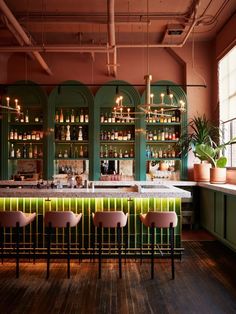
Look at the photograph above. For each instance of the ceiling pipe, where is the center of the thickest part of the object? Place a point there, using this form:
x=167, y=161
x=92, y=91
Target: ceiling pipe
x=111, y=33
x=6, y=11
x=57, y=48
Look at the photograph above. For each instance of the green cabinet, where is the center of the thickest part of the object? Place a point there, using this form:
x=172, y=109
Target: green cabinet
x=218, y=215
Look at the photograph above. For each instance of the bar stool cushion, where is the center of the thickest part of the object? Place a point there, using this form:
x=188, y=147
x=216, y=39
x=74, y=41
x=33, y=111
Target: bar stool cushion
x=10, y=219
x=110, y=219
x=159, y=219
x=60, y=219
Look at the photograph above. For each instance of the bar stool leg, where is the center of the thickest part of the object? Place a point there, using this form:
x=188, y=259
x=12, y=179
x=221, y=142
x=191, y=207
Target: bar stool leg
x=1, y=241
x=119, y=248
x=17, y=248
x=34, y=238
x=49, y=247
x=100, y=251
x=172, y=250
x=152, y=250
x=141, y=243
x=68, y=248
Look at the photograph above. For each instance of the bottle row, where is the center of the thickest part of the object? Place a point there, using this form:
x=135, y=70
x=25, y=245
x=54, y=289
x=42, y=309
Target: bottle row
x=167, y=117
x=164, y=134
x=34, y=135
x=68, y=133
x=113, y=152
x=113, y=118
x=72, y=116
x=161, y=152
x=115, y=135
x=24, y=117
x=73, y=152
x=27, y=151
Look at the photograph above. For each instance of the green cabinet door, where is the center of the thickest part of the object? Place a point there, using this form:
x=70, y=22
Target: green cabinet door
x=219, y=214
x=231, y=220
x=207, y=202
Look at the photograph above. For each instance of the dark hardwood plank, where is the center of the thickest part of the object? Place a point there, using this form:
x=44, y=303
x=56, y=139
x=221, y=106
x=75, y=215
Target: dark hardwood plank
x=205, y=283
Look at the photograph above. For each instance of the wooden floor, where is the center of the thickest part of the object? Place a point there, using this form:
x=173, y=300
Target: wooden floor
x=205, y=283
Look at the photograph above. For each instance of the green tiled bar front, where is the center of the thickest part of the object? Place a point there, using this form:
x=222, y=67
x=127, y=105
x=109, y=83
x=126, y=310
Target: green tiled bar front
x=85, y=230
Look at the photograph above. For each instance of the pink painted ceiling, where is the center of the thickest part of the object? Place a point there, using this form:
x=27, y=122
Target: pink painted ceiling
x=85, y=21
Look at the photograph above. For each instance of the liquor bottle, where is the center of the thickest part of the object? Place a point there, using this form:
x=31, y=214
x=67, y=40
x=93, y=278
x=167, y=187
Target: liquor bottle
x=173, y=118
x=86, y=118
x=27, y=117
x=33, y=135
x=22, y=118
x=28, y=136
x=11, y=135
x=101, y=152
x=76, y=153
x=115, y=154
x=166, y=134
x=12, y=151
x=73, y=135
x=85, y=151
x=129, y=136
x=155, y=135
x=110, y=152
x=37, y=136
x=131, y=154
x=106, y=152
x=60, y=154
x=18, y=153
x=65, y=155
x=81, y=117
x=63, y=135
x=116, y=135
x=72, y=116
x=24, y=152
x=80, y=134
x=177, y=115
x=120, y=136
x=77, y=118
x=20, y=136
x=67, y=119
x=148, y=151
x=112, y=135
x=67, y=133
x=30, y=151
x=35, y=151
x=24, y=136
x=160, y=153
x=102, y=118
x=56, y=117
x=109, y=118
x=120, y=154
x=125, y=137
x=105, y=118
x=15, y=135
x=61, y=119
x=81, y=152
x=126, y=154
x=162, y=135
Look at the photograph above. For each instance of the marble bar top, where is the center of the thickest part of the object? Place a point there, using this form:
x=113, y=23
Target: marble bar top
x=159, y=191
x=225, y=188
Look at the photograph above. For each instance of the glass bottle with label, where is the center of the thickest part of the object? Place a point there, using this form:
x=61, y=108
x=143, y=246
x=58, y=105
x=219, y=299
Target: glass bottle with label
x=81, y=117
x=12, y=151
x=81, y=152
x=72, y=117
x=11, y=135
x=30, y=151
x=35, y=151
x=61, y=119
x=27, y=117
x=80, y=134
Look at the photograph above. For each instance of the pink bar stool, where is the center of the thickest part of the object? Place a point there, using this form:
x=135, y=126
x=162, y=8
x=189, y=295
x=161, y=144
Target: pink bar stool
x=54, y=219
x=110, y=219
x=159, y=220
x=15, y=219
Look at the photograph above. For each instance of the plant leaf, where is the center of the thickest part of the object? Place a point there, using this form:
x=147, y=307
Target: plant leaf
x=221, y=162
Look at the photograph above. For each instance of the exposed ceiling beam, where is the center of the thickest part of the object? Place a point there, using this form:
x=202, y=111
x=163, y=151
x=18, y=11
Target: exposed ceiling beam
x=22, y=34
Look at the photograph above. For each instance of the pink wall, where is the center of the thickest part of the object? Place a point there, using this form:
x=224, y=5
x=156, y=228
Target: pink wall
x=165, y=64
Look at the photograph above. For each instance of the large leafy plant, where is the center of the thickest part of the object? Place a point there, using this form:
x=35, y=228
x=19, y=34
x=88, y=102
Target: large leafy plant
x=199, y=131
x=213, y=153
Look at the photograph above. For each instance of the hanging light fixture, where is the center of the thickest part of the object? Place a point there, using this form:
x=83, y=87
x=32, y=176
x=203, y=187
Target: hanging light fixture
x=12, y=109
x=163, y=108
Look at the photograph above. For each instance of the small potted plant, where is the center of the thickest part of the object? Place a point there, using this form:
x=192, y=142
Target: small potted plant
x=213, y=154
x=199, y=131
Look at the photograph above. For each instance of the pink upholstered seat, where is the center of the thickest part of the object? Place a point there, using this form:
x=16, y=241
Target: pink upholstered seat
x=10, y=219
x=110, y=219
x=159, y=219
x=60, y=219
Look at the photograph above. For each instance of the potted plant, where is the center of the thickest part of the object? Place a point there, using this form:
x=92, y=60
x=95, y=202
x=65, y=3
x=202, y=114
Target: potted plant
x=199, y=131
x=213, y=154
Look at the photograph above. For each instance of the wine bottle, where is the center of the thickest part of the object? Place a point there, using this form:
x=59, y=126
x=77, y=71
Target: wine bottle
x=12, y=151
x=72, y=117
x=80, y=134
x=81, y=117
x=67, y=133
x=24, y=152
x=30, y=151
x=35, y=151
x=56, y=117
x=81, y=152
x=11, y=135
x=27, y=117
x=61, y=119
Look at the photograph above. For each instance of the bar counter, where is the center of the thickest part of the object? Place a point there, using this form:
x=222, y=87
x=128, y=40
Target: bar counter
x=130, y=199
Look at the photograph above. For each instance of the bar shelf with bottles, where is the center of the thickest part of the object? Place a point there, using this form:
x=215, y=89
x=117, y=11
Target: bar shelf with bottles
x=71, y=133
x=25, y=137
x=117, y=136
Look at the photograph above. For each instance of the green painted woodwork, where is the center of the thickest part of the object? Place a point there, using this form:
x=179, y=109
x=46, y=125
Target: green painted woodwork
x=218, y=215
x=87, y=206
x=230, y=231
x=178, y=94
x=31, y=96
x=106, y=98
x=68, y=94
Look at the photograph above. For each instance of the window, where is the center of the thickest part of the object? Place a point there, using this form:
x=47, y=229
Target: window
x=227, y=96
